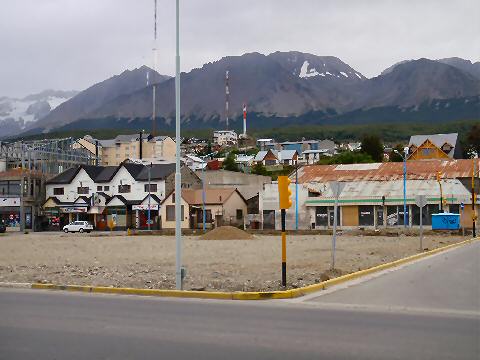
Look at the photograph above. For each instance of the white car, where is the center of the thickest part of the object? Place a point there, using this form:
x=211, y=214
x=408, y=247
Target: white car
x=78, y=226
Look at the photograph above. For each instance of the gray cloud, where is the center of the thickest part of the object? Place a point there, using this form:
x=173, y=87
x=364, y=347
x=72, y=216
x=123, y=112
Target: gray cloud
x=71, y=44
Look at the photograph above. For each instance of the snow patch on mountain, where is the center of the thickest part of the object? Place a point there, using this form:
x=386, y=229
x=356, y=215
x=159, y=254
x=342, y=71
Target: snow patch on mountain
x=306, y=73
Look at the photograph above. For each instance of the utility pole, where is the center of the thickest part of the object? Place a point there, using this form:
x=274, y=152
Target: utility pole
x=149, y=176
x=474, y=215
x=178, y=176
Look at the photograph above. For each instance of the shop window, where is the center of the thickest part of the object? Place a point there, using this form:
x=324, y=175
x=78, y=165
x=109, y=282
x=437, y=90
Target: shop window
x=153, y=188
x=321, y=216
x=366, y=215
x=82, y=190
x=124, y=189
x=58, y=191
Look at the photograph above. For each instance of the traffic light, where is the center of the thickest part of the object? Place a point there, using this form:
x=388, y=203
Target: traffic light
x=439, y=174
x=284, y=192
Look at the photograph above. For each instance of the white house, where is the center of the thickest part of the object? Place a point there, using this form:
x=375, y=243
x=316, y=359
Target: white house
x=114, y=196
x=225, y=137
x=194, y=162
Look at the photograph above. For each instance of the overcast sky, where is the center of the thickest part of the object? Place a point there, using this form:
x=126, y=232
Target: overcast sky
x=71, y=44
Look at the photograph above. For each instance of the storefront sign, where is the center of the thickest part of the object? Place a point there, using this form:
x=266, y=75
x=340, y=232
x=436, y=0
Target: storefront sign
x=73, y=209
x=9, y=201
x=145, y=207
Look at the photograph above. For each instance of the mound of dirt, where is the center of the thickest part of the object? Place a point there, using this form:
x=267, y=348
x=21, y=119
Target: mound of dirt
x=226, y=233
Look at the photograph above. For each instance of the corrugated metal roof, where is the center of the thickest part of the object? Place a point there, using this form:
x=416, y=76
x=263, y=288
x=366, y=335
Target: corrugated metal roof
x=372, y=191
x=419, y=170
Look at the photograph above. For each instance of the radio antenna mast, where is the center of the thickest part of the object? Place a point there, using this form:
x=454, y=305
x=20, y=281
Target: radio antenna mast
x=154, y=65
x=227, y=97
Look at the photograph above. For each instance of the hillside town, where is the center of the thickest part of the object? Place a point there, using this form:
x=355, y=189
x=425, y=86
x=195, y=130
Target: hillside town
x=127, y=183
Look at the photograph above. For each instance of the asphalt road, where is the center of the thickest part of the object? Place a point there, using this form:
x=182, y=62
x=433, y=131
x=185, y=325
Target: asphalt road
x=38, y=324
x=447, y=282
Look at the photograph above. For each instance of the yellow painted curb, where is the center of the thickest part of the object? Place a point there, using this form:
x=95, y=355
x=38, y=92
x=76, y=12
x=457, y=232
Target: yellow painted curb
x=254, y=295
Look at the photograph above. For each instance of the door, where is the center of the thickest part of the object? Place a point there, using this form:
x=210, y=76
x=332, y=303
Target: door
x=269, y=219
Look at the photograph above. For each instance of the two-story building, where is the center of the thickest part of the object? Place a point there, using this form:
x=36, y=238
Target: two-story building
x=225, y=138
x=116, y=197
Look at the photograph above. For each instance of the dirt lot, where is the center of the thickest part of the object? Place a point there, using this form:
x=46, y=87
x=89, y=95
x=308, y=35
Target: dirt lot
x=149, y=261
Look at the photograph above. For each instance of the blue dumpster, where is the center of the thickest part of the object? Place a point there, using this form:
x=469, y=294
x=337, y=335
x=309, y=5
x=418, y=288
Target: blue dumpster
x=445, y=221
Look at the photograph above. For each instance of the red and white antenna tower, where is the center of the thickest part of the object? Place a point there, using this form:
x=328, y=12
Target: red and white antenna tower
x=244, y=120
x=227, y=97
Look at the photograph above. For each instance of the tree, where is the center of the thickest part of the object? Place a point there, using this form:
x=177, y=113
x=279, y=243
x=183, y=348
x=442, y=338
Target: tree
x=347, y=157
x=393, y=156
x=372, y=145
x=259, y=169
x=229, y=163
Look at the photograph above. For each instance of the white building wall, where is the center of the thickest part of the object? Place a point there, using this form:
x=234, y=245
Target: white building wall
x=70, y=190
x=269, y=200
x=122, y=176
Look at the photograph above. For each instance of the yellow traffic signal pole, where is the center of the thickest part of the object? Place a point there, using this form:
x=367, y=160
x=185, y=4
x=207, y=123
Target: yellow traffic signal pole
x=284, y=250
x=441, y=192
x=285, y=203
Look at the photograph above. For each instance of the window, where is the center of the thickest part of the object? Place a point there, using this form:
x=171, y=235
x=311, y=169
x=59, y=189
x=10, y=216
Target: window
x=124, y=188
x=171, y=212
x=106, y=188
x=427, y=151
x=312, y=193
x=366, y=215
x=58, y=191
x=99, y=188
x=239, y=214
x=83, y=190
x=153, y=188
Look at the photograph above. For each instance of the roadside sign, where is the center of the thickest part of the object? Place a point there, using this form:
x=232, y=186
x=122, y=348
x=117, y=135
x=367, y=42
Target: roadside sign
x=420, y=200
x=337, y=188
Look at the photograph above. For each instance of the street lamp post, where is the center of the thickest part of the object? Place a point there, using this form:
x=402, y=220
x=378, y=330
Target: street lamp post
x=149, y=169
x=404, y=157
x=178, y=176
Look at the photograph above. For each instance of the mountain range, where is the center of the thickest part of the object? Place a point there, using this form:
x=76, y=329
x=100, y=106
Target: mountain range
x=279, y=88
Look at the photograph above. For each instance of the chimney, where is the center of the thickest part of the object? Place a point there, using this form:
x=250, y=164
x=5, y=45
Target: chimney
x=141, y=146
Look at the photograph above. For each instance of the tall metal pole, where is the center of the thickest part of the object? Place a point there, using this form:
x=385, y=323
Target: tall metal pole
x=149, y=170
x=178, y=176
x=405, y=191
x=296, y=194
x=474, y=231
x=154, y=68
x=334, y=237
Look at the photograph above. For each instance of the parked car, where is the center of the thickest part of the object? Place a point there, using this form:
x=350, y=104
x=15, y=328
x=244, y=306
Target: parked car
x=3, y=228
x=78, y=226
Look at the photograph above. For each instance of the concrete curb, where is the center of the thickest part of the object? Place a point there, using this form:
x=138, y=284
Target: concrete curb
x=285, y=294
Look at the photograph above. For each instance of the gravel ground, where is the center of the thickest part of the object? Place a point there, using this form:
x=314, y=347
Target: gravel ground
x=229, y=265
